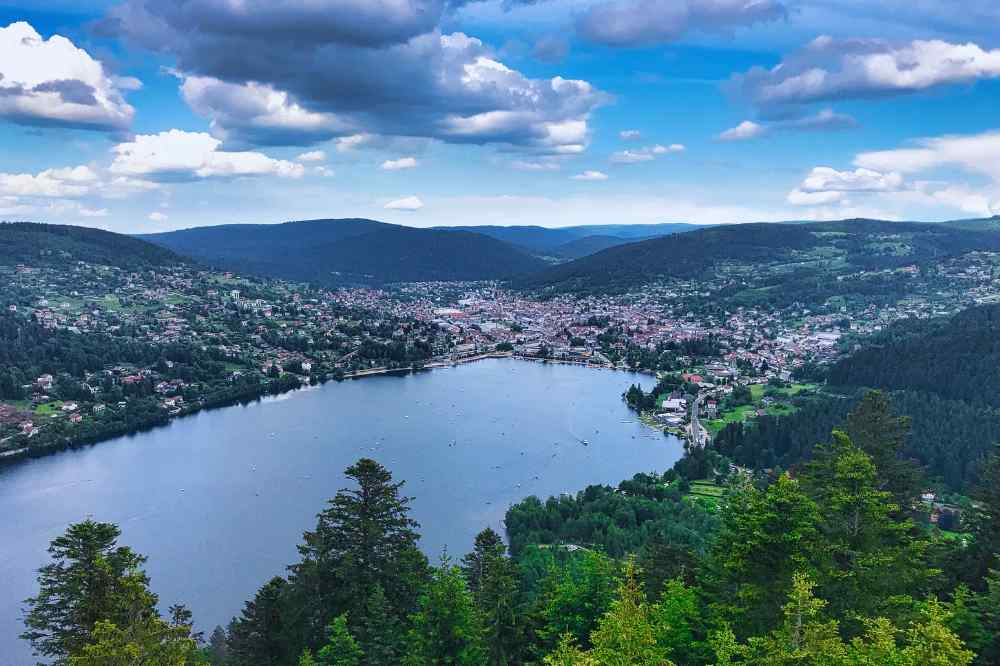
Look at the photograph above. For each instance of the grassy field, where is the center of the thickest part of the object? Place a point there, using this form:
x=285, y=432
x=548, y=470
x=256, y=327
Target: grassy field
x=738, y=415
x=706, y=491
x=706, y=488
x=47, y=409
x=744, y=412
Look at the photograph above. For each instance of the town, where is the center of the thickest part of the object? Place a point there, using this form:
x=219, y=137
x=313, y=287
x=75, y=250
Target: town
x=211, y=338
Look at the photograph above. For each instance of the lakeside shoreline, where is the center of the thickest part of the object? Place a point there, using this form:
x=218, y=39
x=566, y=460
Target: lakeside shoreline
x=17, y=456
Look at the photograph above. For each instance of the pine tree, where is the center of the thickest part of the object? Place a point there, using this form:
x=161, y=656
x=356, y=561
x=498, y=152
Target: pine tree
x=256, y=637
x=487, y=544
x=340, y=650
x=874, y=429
x=984, y=524
x=218, y=650
x=987, y=605
x=365, y=538
x=765, y=537
x=568, y=653
x=380, y=633
x=864, y=535
x=626, y=635
x=676, y=616
x=805, y=637
x=496, y=595
x=574, y=597
x=446, y=628
x=141, y=637
x=82, y=586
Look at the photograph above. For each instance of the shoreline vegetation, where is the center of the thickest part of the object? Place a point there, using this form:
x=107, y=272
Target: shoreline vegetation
x=245, y=397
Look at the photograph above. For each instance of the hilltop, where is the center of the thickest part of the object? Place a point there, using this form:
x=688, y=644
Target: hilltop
x=794, y=254
x=350, y=251
x=50, y=244
x=556, y=242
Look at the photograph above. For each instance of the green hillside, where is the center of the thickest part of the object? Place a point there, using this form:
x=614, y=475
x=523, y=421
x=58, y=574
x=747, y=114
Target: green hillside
x=35, y=244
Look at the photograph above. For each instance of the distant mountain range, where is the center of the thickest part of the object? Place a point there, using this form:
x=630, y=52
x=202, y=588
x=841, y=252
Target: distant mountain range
x=351, y=251
x=55, y=244
x=800, y=249
x=578, y=241
x=592, y=259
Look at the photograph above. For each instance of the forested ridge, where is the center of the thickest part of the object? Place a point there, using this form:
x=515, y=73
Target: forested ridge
x=810, y=253
x=350, y=251
x=826, y=565
x=55, y=244
x=957, y=358
x=943, y=374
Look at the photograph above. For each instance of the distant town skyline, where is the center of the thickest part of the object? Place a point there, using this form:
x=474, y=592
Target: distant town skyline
x=139, y=116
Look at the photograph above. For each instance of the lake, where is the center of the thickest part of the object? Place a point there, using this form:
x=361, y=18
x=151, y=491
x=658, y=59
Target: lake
x=218, y=500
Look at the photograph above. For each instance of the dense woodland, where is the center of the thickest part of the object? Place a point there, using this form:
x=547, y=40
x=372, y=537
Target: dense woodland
x=862, y=244
x=948, y=387
x=54, y=244
x=351, y=251
x=956, y=358
x=790, y=570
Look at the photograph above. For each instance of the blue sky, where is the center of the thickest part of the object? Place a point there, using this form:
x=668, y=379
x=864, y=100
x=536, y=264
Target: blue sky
x=140, y=116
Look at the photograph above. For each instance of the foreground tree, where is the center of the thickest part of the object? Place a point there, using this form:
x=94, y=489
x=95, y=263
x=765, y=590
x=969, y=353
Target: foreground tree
x=380, y=633
x=145, y=639
x=574, y=597
x=446, y=629
x=876, y=430
x=488, y=544
x=627, y=634
x=340, y=650
x=257, y=635
x=364, y=539
x=766, y=536
x=85, y=584
x=805, y=637
x=218, y=649
x=984, y=524
x=492, y=579
x=864, y=535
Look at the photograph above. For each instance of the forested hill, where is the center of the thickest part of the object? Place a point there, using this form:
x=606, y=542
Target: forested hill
x=547, y=240
x=943, y=374
x=34, y=244
x=582, y=247
x=956, y=358
x=334, y=252
x=799, y=251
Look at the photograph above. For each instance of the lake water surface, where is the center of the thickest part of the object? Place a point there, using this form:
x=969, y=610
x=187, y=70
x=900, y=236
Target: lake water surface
x=219, y=500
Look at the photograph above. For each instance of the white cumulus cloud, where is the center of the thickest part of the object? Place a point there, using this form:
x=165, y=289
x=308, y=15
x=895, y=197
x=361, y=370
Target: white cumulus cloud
x=745, y=130
x=258, y=114
x=53, y=82
x=401, y=163
x=826, y=179
x=180, y=155
x=825, y=185
x=57, y=183
x=591, y=175
x=406, y=203
x=834, y=69
x=312, y=156
x=972, y=152
x=645, y=154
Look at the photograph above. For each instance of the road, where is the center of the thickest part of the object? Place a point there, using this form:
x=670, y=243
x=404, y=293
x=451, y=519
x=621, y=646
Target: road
x=697, y=435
